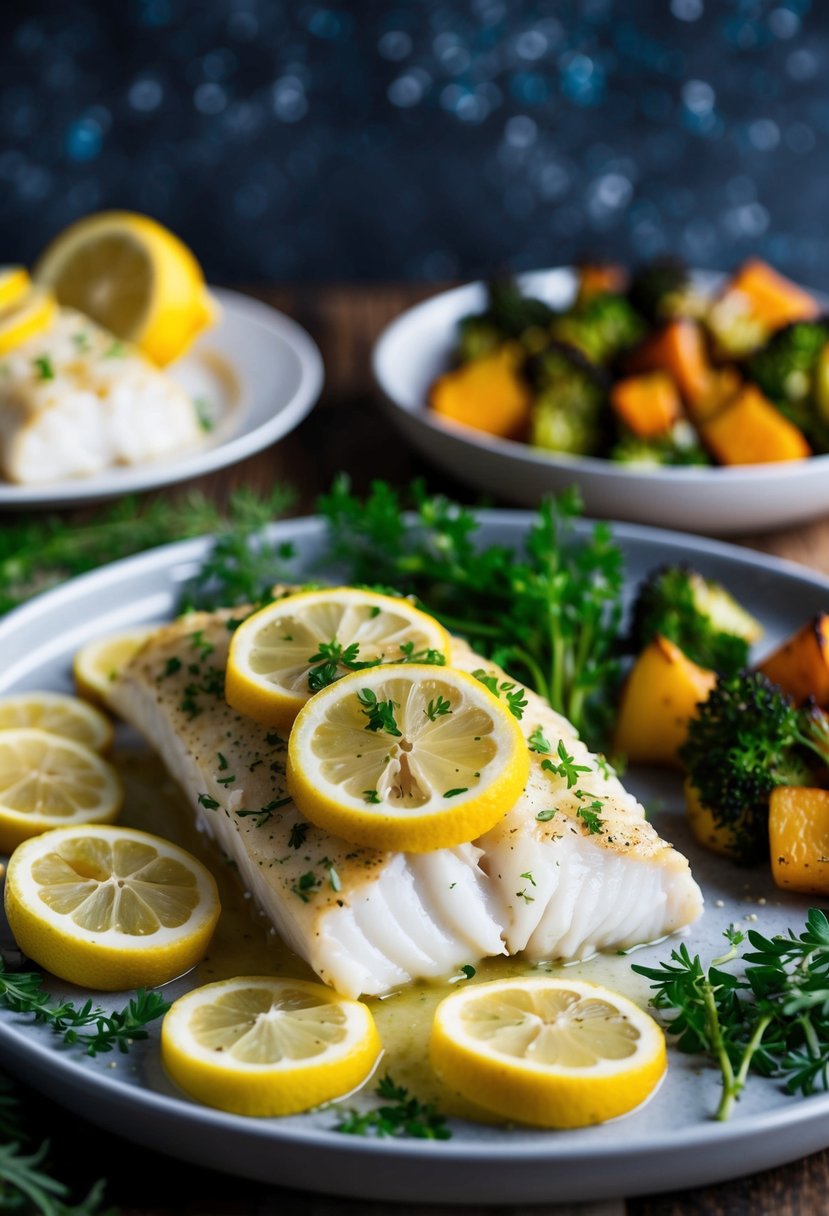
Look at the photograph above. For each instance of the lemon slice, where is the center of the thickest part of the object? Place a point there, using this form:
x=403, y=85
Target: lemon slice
x=132, y=276
x=549, y=1052
x=97, y=665
x=30, y=316
x=406, y=757
x=265, y=1046
x=110, y=908
x=14, y=283
x=47, y=781
x=278, y=656
x=58, y=713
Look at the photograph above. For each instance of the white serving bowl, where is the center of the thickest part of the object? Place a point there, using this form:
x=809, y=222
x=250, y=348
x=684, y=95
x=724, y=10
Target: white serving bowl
x=416, y=347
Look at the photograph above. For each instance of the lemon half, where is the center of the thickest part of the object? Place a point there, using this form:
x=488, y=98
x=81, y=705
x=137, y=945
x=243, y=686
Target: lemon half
x=276, y=661
x=133, y=276
x=406, y=757
x=48, y=781
x=110, y=908
x=28, y=316
x=548, y=1052
x=266, y=1046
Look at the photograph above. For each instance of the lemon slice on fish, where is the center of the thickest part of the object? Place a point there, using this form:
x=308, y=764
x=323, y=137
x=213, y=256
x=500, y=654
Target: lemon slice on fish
x=267, y=1046
x=59, y=713
x=26, y=318
x=110, y=908
x=286, y=652
x=406, y=757
x=97, y=665
x=133, y=276
x=548, y=1052
x=48, y=781
x=14, y=283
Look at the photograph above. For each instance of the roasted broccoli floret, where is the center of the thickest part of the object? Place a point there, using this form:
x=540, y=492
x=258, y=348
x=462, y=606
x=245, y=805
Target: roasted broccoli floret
x=660, y=290
x=681, y=446
x=747, y=739
x=790, y=371
x=570, y=412
x=698, y=614
x=601, y=328
x=509, y=315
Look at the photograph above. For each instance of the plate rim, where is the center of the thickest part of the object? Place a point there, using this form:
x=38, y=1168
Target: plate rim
x=112, y=483
x=527, y=1146
x=688, y=475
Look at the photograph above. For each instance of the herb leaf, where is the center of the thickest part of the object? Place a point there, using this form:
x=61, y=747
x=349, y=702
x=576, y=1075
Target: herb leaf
x=400, y=1115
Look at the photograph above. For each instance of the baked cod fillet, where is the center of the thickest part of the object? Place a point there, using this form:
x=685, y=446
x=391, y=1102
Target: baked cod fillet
x=368, y=921
x=75, y=401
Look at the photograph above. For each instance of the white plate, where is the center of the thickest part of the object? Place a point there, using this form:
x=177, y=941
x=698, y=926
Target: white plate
x=671, y=1143
x=256, y=369
x=416, y=348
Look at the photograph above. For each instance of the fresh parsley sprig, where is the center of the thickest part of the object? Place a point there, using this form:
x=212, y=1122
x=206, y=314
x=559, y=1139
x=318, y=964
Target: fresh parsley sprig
x=549, y=614
x=86, y=1026
x=771, y=1016
x=400, y=1115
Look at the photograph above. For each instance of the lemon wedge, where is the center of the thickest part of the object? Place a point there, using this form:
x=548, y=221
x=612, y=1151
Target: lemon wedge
x=266, y=1046
x=97, y=665
x=26, y=318
x=47, y=781
x=110, y=908
x=284, y=653
x=14, y=283
x=133, y=276
x=548, y=1052
x=59, y=713
x=406, y=757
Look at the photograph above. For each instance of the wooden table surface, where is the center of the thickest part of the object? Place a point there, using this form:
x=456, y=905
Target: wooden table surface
x=348, y=431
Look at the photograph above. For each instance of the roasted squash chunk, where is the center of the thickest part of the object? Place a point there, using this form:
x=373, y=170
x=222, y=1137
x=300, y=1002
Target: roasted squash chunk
x=678, y=349
x=487, y=393
x=751, y=431
x=599, y=278
x=648, y=405
x=799, y=838
x=658, y=700
x=771, y=298
x=801, y=665
x=717, y=837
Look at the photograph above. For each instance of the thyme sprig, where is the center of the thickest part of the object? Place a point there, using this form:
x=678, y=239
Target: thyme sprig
x=765, y=1010
x=401, y=1114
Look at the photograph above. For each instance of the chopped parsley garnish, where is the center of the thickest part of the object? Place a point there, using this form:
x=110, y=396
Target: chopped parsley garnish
x=567, y=768
x=43, y=367
x=306, y=885
x=372, y=797
x=117, y=350
x=454, y=793
x=206, y=801
x=264, y=814
x=537, y=742
x=437, y=708
x=380, y=714
x=205, y=414
x=296, y=838
x=400, y=1115
x=515, y=697
x=546, y=815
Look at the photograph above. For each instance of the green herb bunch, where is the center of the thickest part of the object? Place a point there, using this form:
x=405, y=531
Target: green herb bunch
x=769, y=1014
x=549, y=614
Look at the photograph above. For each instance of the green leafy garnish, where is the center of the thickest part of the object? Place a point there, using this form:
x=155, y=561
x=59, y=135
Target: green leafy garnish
x=566, y=767
x=515, y=697
x=400, y=1115
x=770, y=1017
x=437, y=708
x=380, y=714
x=43, y=367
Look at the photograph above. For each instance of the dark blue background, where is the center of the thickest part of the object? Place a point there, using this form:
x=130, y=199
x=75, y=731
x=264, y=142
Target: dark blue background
x=412, y=139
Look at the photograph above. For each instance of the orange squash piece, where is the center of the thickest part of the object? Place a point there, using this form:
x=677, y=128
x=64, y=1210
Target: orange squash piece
x=648, y=405
x=751, y=431
x=772, y=299
x=801, y=665
x=659, y=698
x=678, y=349
x=597, y=280
x=799, y=838
x=488, y=394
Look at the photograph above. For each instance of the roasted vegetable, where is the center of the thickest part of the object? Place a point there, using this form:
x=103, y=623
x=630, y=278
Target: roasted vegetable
x=509, y=315
x=755, y=303
x=790, y=370
x=698, y=614
x=570, y=413
x=489, y=394
x=799, y=838
x=659, y=698
x=601, y=328
x=716, y=836
x=648, y=405
x=678, y=349
x=752, y=431
x=801, y=665
x=679, y=447
x=746, y=739
x=660, y=290
x=599, y=279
